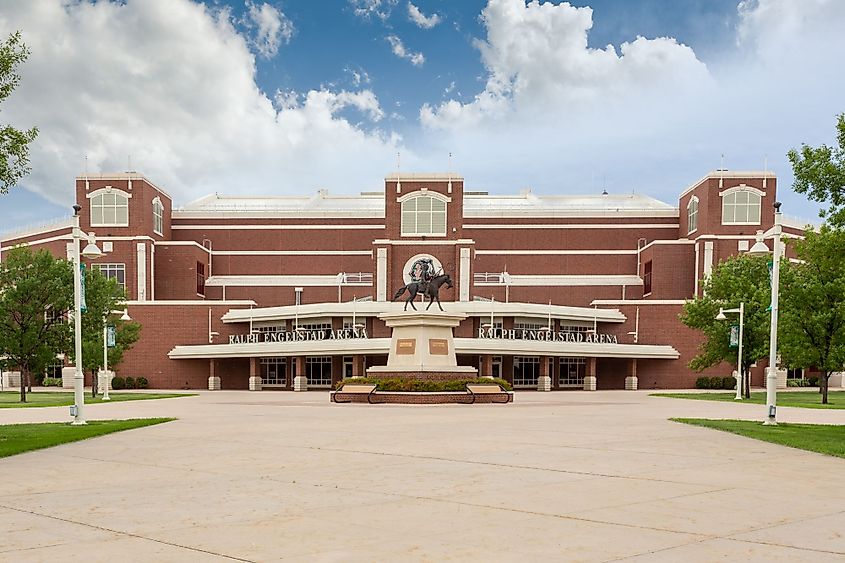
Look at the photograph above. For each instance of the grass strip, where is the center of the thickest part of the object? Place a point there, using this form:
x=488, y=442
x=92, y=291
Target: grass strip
x=19, y=438
x=802, y=399
x=821, y=438
x=11, y=399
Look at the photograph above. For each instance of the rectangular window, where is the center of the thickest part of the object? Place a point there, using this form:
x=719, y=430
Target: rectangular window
x=318, y=370
x=526, y=370
x=647, y=278
x=572, y=372
x=115, y=272
x=274, y=372
x=200, y=279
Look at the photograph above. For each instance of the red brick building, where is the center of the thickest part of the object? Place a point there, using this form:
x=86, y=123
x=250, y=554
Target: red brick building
x=585, y=289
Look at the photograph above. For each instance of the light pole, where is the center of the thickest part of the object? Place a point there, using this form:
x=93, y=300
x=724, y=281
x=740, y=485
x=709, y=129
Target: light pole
x=721, y=317
x=90, y=251
x=760, y=249
x=106, y=380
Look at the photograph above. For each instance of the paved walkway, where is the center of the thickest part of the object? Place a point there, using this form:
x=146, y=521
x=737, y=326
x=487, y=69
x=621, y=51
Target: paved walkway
x=571, y=476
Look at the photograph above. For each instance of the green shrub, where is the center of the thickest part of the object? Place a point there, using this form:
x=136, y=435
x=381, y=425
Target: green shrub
x=411, y=384
x=793, y=383
x=52, y=382
x=702, y=383
x=130, y=382
x=142, y=383
x=728, y=382
x=118, y=382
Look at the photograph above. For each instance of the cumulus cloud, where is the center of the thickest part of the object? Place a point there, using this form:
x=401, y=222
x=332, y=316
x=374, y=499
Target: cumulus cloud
x=271, y=26
x=423, y=21
x=416, y=59
x=175, y=89
x=367, y=9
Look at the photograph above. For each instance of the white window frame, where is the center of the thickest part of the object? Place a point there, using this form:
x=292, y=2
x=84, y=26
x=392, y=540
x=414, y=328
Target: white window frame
x=93, y=204
x=406, y=200
x=692, y=215
x=731, y=193
x=158, y=216
x=108, y=268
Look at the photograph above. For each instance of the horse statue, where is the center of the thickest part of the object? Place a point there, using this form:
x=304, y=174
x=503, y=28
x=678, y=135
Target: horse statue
x=430, y=289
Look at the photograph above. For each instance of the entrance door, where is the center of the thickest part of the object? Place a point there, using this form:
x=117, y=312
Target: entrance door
x=526, y=370
x=347, y=367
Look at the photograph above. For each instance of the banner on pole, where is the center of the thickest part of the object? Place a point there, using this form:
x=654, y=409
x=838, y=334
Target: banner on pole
x=83, y=307
x=734, y=339
x=111, y=336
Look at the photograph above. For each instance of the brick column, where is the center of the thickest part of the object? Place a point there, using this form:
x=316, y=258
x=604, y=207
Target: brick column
x=544, y=381
x=254, y=375
x=358, y=366
x=486, y=365
x=631, y=380
x=300, y=382
x=213, y=379
x=590, y=376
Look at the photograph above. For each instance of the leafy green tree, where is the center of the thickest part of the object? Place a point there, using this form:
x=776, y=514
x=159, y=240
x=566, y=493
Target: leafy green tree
x=14, y=144
x=36, y=293
x=812, y=321
x=738, y=279
x=102, y=296
x=820, y=174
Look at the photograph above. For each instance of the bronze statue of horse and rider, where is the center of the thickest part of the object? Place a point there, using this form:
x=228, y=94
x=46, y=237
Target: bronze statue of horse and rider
x=425, y=282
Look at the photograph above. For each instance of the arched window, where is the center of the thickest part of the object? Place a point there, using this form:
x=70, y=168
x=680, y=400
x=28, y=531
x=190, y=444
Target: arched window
x=109, y=208
x=424, y=215
x=741, y=206
x=692, y=214
x=158, y=216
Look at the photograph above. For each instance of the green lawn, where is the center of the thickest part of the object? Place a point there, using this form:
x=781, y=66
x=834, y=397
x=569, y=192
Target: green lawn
x=19, y=438
x=808, y=399
x=821, y=438
x=11, y=399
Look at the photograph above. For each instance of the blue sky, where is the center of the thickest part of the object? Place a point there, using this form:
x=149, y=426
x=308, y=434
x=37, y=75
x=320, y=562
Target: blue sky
x=290, y=96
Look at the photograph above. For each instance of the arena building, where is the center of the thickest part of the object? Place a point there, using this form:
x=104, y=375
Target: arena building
x=246, y=292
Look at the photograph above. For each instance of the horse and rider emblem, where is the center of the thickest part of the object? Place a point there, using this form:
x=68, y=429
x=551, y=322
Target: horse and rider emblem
x=425, y=281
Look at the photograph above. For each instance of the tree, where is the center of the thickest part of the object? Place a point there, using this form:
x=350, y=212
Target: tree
x=738, y=279
x=36, y=293
x=14, y=144
x=812, y=322
x=820, y=174
x=102, y=296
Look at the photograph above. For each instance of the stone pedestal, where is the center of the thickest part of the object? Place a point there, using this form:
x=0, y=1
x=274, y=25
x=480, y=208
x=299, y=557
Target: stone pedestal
x=589, y=383
x=544, y=383
x=422, y=346
x=300, y=383
x=214, y=383
x=781, y=379
x=255, y=383
x=11, y=379
x=67, y=377
x=630, y=383
x=104, y=378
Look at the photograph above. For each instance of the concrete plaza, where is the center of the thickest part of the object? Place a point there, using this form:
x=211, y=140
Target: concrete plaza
x=565, y=476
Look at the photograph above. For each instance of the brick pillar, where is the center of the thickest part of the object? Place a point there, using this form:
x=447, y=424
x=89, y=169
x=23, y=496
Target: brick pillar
x=358, y=366
x=590, y=376
x=213, y=379
x=254, y=375
x=486, y=365
x=544, y=381
x=300, y=382
x=631, y=380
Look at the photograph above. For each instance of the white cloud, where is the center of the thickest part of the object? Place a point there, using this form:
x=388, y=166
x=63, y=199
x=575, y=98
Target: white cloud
x=416, y=59
x=373, y=8
x=172, y=83
x=271, y=26
x=420, y=19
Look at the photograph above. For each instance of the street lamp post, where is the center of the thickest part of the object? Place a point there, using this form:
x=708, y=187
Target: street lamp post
x=760, y=249
x=106, y=380
x=90, y=251
x=721, y=317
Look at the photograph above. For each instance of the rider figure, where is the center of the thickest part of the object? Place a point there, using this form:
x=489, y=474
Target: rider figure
x=422, y=271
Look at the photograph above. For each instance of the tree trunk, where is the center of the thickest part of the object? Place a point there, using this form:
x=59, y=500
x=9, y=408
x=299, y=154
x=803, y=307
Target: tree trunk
x=24, y=370
x=823, y=385
x=94, y=384
x=746, y=391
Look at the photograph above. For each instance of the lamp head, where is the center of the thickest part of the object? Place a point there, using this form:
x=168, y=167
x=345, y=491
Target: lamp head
x=721, y=316
x=125, y=316
x=76, y=208
x=759, y=248
x=91, y=251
